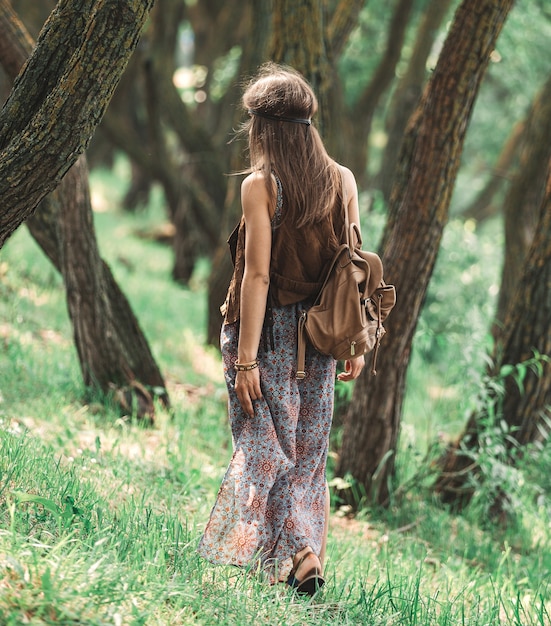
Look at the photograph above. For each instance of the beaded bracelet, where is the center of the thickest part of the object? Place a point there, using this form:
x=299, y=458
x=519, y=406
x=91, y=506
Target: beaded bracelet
x=246, y=367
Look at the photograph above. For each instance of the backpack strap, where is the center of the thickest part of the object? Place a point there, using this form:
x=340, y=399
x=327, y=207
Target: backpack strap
x=378, y=336
x=301, y=340
x=301, y=347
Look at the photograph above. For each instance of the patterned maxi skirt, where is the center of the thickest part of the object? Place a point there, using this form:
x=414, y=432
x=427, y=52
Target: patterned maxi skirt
x=272, y=499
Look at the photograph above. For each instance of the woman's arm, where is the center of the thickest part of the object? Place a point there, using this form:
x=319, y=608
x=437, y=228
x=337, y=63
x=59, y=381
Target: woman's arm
x=349, y=182
x=254, y=289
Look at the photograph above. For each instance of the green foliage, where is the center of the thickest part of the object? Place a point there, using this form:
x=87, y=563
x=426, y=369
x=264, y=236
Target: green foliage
x=124, y=551
x=365, y=47
x=462, y=294
x=452, y=337
x=498, y=464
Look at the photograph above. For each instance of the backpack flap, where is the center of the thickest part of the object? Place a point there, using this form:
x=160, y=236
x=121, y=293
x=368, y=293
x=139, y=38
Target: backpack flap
x=375, y=270
x=381, y=302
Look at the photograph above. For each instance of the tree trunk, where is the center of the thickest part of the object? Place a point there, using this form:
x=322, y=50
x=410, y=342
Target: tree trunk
x=524, y=198
x=112, y=349
x=528, y=330
x=408, y=90
x=418, y=211
x=113, y=352
x=158, y=72
x=298, y=40
x=139, y=190
x=60, y=97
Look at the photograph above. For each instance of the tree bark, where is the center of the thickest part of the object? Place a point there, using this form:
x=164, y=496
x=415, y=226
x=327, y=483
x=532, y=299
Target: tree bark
x=418, y=211
x=526, y=401
x=113, y=352
x=60, y=97
x=298, y=40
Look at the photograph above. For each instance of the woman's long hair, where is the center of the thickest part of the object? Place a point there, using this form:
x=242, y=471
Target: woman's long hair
x=293, y=150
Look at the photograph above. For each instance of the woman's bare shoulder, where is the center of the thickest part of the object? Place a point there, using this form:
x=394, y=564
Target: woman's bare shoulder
x=254, y=182
x=254, y=194
x=349, y=180
x=347, y=174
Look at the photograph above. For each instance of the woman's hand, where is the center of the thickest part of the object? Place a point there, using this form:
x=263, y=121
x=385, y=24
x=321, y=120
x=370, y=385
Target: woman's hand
x=352, y=369
x=247, y=388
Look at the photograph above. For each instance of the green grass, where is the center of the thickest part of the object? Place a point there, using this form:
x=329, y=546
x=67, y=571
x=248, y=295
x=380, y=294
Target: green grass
x=100, y=517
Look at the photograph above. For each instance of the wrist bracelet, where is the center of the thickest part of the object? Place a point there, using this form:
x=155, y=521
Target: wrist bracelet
x=246, y=367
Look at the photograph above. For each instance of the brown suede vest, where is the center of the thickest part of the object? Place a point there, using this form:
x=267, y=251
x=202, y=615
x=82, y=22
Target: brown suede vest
x=300, y=257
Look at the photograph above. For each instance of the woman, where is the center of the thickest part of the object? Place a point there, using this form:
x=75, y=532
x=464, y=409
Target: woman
x=272, y=507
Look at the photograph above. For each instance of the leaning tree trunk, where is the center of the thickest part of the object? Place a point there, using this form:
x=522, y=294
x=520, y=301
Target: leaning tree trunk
x=526, y=335
x=113, y=352
x=418, y=211
x=158, y=72
x=60, y=97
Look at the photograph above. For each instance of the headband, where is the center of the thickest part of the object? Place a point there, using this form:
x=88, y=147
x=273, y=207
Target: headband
x=279, y=118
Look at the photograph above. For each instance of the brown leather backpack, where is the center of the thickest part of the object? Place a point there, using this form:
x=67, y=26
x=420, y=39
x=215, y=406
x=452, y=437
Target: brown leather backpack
x=346, y=319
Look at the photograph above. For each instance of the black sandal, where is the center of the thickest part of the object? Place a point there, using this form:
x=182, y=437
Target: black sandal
x=311, y=582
